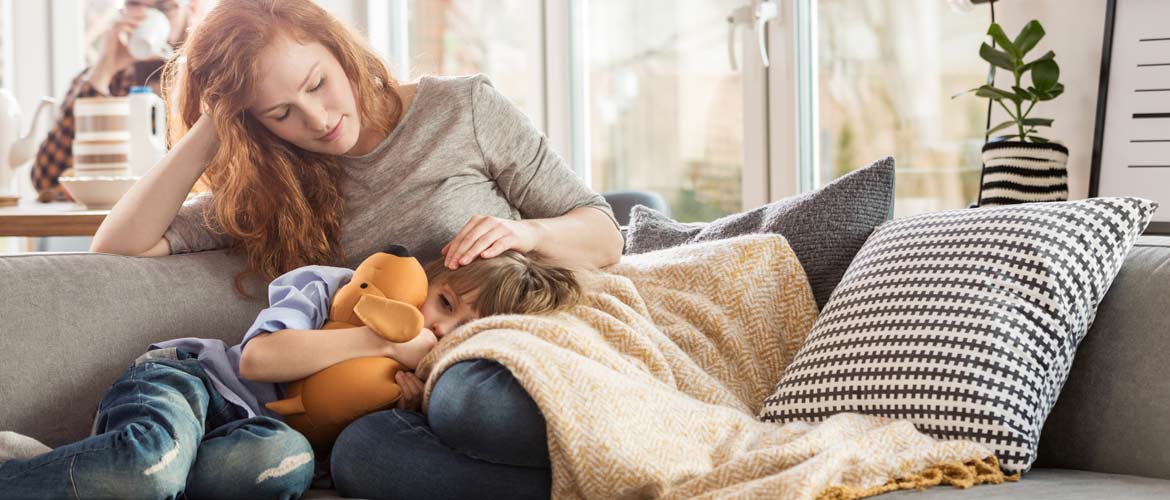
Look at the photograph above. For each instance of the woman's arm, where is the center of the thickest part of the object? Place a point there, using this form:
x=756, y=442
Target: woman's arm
x=563, y=220
x=584, y=235
x=137, y=222
x=289, y=355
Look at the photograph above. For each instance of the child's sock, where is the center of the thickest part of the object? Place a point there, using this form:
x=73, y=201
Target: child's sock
x=15, y=446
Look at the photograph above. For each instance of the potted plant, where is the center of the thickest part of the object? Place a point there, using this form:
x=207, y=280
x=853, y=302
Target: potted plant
x=1020, y=166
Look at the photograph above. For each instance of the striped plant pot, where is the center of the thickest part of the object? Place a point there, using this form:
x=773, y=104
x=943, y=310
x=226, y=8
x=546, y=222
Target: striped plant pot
x=1023, y=172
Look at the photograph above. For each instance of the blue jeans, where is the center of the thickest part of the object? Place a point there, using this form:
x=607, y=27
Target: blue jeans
x=161, y=431
x=485, y=438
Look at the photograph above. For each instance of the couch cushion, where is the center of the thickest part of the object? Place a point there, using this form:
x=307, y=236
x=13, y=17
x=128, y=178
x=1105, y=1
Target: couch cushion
x=1051, y=484
x=824, y=227
x=322, y=495
x=1112, y=413
x=71, y=322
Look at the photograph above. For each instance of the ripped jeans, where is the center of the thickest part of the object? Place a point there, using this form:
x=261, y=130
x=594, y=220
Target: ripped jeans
x=161, y=431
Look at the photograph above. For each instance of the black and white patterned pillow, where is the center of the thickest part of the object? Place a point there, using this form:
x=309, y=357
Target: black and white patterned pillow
x=963, y=322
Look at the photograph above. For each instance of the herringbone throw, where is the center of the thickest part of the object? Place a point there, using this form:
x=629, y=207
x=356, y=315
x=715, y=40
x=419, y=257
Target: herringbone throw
x=652, y=384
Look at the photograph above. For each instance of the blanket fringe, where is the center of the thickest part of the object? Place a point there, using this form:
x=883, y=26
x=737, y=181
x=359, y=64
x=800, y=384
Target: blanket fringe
x=959, y=475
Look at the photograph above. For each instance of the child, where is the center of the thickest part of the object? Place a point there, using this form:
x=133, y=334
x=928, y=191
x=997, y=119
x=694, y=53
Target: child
x=183, y=419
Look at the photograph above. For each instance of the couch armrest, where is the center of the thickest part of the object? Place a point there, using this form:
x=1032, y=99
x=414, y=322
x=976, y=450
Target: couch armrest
x=72, y=322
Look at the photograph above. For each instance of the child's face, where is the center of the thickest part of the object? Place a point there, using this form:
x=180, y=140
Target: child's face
x=445, y=311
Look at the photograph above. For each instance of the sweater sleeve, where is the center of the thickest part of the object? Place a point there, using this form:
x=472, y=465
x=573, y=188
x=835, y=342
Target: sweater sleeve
x=194, y=229
x=531, y=176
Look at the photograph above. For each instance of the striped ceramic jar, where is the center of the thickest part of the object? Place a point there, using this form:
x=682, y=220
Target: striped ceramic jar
x=1023, y=172
x=101, y=119
x=101, y=159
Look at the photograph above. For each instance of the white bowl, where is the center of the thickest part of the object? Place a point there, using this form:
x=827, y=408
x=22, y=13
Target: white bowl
x=97, y=193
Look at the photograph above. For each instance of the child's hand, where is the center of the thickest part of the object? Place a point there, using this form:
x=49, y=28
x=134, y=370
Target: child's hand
x=411, y=352
x=412, y=391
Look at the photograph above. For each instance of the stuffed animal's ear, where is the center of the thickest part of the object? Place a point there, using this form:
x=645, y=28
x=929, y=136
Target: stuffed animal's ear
x=398, y=250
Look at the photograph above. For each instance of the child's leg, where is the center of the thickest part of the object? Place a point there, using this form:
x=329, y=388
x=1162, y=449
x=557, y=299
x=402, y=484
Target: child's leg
x=485, y=439
x=255, y=458
x=145, y=437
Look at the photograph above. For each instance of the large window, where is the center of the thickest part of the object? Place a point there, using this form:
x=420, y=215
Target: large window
x=100, y=15
x=641, y=95
x=3, y=45
x=500, y=38
x=887, y=69
x=665, y=109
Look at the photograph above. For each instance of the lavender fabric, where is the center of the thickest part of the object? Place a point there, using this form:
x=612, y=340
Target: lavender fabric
x=298, y=300
x=825, y=227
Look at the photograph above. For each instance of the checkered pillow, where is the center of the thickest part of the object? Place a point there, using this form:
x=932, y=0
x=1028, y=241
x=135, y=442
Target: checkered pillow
x=964, y=322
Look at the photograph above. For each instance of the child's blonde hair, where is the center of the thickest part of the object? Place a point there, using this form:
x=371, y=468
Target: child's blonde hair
x=510, y=283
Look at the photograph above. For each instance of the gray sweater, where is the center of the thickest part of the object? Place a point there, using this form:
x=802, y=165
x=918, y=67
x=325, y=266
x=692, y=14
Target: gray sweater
x=462, y=149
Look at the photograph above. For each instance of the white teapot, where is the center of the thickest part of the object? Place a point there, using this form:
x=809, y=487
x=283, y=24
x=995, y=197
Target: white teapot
x=14, y=149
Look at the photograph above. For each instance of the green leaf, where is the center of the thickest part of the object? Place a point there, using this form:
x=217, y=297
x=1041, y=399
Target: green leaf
x=1045, y=74
x=997, y=34
x=1028, y=96
x=1046, y=57
x=968, y=91
x=1056, y=91
x=1037, y=122
x=1051, y=94
x=1028, y=37
x=997, y=128
x=996, y=57
x=1036, y=138
x=994, y=93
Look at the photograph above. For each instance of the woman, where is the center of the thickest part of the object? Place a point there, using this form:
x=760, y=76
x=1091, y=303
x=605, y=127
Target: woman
x=313, y=154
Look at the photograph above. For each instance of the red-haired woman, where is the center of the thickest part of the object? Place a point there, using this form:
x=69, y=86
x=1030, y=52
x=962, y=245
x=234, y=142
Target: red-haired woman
x=314, y=154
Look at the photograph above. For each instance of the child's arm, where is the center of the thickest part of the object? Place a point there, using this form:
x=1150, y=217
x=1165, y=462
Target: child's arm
x=285, y=342
x=295, y=354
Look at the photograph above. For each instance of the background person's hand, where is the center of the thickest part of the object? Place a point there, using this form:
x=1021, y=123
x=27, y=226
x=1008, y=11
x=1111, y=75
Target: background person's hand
x=412, y=391
x=115, y=56
x=486, y=237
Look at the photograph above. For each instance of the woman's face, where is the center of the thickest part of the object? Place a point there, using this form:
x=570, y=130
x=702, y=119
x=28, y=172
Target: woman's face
x=304, y=97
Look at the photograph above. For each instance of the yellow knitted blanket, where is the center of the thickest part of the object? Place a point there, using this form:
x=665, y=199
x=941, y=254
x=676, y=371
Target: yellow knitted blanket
x=651, y=386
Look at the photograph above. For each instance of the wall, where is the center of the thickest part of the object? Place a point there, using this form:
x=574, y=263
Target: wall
x=1075, y=30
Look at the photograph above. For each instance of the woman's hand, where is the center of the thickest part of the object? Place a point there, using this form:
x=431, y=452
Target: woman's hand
x=486, y=237
x=412, y=391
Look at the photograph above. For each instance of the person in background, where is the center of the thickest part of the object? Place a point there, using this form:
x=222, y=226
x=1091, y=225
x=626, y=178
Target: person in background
x=112, y=74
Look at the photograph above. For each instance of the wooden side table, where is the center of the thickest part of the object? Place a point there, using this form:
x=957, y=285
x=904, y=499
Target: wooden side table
x=30, y=218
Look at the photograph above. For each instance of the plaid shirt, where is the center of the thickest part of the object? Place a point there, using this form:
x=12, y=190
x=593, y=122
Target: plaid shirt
x=55, y=155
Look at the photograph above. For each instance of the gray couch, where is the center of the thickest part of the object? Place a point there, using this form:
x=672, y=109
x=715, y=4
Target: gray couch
x=70, y=323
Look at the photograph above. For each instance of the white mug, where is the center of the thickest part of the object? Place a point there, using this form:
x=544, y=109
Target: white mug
x=149, y=40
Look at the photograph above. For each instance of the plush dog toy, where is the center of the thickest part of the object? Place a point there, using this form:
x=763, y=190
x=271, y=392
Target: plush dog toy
x=384, y=294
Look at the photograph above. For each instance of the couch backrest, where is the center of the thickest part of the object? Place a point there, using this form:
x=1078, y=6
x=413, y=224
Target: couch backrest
x=1113, y=412
x=70, y=323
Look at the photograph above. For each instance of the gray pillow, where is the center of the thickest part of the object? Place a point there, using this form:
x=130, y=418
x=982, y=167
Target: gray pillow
x=826, y=227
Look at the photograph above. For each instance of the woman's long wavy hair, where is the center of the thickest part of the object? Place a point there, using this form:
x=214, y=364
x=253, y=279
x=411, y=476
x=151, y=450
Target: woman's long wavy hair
x=281, y=205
